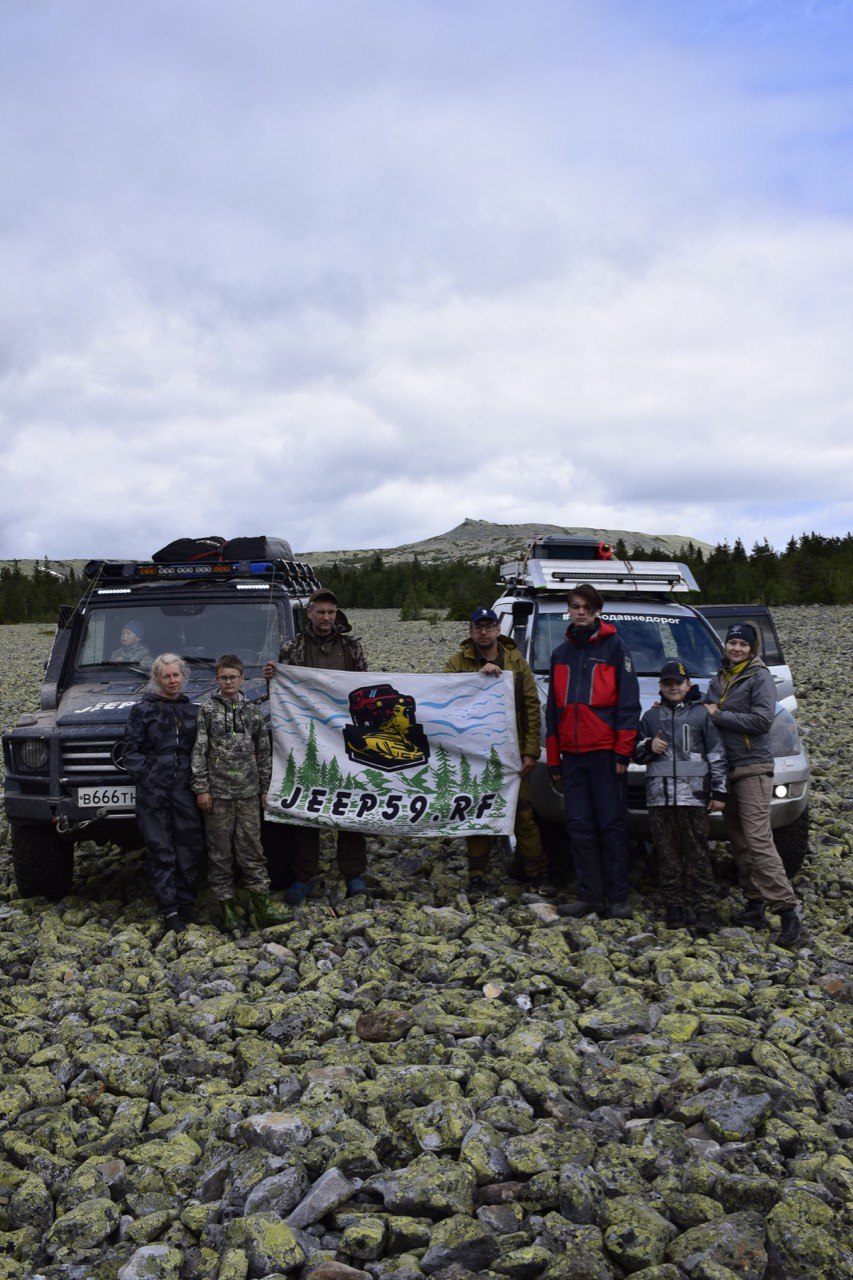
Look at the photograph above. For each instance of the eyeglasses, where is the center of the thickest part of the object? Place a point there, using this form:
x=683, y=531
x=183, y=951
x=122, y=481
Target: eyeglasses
x=484, y=626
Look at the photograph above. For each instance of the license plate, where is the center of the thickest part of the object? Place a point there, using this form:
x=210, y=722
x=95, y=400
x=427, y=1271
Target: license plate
x=106, y=797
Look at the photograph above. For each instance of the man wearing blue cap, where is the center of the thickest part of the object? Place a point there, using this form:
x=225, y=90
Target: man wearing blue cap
x=741, y=699
x=490, y=653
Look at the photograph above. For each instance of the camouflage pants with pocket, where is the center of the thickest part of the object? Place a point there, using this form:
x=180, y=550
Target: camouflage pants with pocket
x=685, y=874
x=233, y=830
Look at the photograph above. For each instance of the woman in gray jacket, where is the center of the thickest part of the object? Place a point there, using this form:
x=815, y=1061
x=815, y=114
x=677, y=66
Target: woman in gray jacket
x=741, y=699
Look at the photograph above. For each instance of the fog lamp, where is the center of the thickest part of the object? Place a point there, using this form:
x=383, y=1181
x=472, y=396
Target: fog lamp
x=781, y=791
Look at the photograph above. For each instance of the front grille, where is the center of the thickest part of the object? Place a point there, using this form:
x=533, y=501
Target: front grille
x=90, y=757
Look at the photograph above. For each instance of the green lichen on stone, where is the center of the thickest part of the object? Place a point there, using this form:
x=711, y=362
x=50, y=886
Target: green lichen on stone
x=635, y=1235
x=175, y=1159
x=365, y=1239
x=233, y=1265
x=269, y=1243
x=803, y=1245
x=149, y=1227
x=680, y=1027
x=82, y=1230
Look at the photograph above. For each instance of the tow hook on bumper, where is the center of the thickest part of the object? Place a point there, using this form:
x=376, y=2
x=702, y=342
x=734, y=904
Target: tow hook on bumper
x=64, y=825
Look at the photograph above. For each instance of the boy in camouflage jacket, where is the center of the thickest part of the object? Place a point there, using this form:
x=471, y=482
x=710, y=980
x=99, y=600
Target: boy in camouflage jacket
x=231, y=769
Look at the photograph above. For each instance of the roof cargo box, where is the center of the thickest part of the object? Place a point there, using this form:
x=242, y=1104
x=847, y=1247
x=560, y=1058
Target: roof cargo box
x=188, y=550
x=262, y=547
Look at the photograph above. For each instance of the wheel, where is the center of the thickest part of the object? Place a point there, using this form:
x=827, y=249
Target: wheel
x=43, y=862
x=277, y=839
x=792, y=843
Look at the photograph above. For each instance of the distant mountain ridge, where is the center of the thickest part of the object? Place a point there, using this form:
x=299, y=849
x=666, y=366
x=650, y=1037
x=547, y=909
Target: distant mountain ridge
x=477, y=541
x=482, y=542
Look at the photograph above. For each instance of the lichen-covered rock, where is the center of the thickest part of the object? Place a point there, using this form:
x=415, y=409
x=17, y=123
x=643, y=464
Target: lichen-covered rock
x=536, y=1075
x=807, y=1241
x=153, y=1262
x=268, y=1243
x=429, y=1185
x=620, y=1014
x=462, y=1242
x=276, y=1131
x=365, y=1238
x=733, y=1120
x=279, y=1193
x=635, y=1235
x=383, y=1025
x=736, y=1242
x=81, y=1231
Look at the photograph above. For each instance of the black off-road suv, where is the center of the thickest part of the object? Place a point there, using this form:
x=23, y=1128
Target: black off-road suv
x=64, y=776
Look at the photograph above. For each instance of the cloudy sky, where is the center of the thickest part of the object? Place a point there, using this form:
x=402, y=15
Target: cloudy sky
x=349, y=271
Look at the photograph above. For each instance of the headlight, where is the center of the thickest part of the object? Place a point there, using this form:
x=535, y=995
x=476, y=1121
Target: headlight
x=32, y=755
x=781, y=791
x=784, y=739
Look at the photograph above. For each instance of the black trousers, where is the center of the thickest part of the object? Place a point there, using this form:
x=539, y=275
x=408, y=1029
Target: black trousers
x=596, y=799
x=173, y=832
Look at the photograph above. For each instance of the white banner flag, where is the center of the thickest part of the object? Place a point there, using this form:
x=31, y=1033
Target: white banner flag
x=386, y=752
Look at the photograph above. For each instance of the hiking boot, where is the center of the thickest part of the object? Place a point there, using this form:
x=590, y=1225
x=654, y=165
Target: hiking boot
x=541, y=885
x=477, y=887
x=706, y=922
x=266, y=912
x=188, y=913
x=296, y=894
x=791, y=929
x=676, y=917
x=355, y=886
x=576, y=909
x=174, y=922
x=621, y=911
x=753, y=914
x=229, y=919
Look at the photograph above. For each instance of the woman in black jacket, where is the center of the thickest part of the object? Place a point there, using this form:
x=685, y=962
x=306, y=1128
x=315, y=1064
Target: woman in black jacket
x=158, y=742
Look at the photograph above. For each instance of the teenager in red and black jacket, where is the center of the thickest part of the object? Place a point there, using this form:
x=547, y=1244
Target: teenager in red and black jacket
x=591, y=721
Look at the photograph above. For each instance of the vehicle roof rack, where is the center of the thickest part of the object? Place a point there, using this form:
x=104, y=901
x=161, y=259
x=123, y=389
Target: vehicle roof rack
x=644, y=576
x=295, y=575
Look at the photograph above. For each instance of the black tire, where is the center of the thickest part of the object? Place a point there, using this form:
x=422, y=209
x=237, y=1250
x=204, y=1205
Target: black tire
x=43, y=862
x=277, y=839
x=792, y=843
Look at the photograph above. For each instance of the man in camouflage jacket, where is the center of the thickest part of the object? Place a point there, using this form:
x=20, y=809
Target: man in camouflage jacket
x=231, y=768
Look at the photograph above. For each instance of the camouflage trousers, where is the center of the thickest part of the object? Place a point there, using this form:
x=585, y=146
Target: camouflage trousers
x=233, y=831
x=685, y=874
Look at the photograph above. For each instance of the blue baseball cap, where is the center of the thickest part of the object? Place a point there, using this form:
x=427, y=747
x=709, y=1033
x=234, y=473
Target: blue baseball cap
x=483, y=615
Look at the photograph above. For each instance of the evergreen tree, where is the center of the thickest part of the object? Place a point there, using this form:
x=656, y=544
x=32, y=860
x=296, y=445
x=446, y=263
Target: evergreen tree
x=443, y=779
x=309, y=771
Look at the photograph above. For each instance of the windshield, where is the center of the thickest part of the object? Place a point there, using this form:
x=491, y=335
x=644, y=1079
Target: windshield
x=653, y=639
x=770, y=651
x=200, y=632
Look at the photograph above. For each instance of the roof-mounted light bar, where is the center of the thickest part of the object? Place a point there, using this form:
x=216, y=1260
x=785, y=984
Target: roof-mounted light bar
x=295, y=575
x=608, y=575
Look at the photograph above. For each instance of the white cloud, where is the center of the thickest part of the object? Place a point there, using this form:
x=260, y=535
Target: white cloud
x=350, y=274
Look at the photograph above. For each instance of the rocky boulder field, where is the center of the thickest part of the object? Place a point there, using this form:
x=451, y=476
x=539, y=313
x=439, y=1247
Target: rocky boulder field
x=419, y=1085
